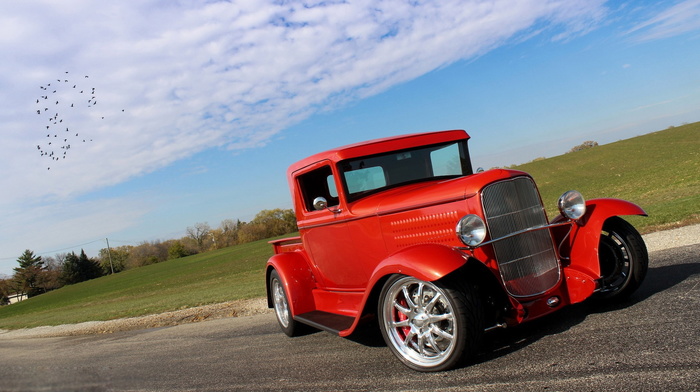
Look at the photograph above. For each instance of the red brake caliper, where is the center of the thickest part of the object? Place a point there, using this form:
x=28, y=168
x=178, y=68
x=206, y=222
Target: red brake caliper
x=399, y=316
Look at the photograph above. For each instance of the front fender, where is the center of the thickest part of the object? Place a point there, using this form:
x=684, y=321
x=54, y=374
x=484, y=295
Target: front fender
x=583, y=242
x=427, y=262
x=297, y=278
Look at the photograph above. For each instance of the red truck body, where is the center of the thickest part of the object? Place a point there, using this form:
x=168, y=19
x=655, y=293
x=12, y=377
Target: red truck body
x=402, y=230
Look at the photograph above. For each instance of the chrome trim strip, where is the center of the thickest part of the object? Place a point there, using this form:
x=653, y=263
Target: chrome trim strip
x=547, y=226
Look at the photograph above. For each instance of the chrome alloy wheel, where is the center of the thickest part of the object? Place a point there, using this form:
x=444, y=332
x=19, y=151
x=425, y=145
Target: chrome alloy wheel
x=419, y=321
x=279, y=299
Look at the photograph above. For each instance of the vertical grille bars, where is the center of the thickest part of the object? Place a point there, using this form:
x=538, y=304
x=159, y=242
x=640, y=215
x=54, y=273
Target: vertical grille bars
x=527, y=262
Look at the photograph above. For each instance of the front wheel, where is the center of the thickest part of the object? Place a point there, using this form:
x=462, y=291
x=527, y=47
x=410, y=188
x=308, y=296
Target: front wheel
x=623, y=259
x=429, y=326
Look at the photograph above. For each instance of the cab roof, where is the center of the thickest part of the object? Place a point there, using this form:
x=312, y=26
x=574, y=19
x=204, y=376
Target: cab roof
x=378, y=146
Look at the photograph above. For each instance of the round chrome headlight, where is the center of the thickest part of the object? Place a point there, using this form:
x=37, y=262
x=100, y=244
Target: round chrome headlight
x=572, y=205
x=471, y=230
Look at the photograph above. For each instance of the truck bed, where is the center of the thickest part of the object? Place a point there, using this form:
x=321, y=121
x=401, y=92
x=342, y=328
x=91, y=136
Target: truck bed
x=290, y=244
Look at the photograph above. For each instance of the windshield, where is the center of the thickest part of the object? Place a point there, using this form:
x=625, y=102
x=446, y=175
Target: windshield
x=375, y=173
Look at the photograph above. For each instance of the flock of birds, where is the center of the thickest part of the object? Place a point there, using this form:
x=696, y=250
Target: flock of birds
x=52, y=104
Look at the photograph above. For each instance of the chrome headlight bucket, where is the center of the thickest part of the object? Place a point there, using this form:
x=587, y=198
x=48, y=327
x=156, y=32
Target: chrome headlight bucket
x=471, y=230
x=572, y=205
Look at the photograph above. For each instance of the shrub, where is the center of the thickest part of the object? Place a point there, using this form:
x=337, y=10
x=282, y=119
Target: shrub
x=584, y=146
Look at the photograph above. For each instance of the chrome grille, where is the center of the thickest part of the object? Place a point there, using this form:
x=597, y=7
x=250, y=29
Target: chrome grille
x=527, y=262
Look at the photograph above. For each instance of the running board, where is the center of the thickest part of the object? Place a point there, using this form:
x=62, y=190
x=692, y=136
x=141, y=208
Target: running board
x=330, y=322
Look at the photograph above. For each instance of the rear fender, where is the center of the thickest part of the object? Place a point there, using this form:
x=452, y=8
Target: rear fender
x=297, y=278
x=583, y=241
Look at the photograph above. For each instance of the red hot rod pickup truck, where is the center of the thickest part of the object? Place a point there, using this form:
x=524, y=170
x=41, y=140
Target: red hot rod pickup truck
x=403, y=230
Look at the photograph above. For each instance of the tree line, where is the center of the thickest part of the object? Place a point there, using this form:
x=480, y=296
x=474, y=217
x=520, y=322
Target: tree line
x=36, y=274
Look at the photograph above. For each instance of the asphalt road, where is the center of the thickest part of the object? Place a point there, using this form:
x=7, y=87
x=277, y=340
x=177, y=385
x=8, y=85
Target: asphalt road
x=649, y=343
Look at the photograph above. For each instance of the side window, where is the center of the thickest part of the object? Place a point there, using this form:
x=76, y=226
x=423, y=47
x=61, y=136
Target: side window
x=331, y=187
x=318, y=183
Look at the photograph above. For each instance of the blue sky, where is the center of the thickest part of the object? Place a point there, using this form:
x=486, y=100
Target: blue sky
x=203, y=105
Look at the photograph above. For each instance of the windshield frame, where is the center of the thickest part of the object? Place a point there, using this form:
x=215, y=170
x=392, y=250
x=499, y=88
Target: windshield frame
x=419, y=165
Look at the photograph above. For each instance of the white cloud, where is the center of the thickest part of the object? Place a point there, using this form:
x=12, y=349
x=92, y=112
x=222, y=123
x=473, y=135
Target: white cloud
x=194, y=75
x=680, y=18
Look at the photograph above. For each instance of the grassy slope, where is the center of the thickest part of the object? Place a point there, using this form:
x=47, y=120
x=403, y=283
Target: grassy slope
x=212, y=277
x=659, y=171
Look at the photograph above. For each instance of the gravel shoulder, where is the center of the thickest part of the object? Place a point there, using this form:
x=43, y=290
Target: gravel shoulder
x=240, y=308
x=682, y=236
x=657, y=241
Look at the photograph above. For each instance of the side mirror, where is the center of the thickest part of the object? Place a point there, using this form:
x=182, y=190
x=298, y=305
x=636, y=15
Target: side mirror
x=320, y=203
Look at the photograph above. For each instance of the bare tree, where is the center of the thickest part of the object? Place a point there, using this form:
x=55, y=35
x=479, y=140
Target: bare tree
x=227, y=233
x=199, y=233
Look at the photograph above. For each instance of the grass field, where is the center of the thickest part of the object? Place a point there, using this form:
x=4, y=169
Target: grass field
x=659, y=171
x=212, y=277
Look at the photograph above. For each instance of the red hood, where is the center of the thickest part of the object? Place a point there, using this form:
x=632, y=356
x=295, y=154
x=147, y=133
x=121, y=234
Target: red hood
x=428, y=193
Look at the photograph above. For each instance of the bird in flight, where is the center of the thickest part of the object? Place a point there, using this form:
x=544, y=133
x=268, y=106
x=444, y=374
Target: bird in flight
x=65, y=96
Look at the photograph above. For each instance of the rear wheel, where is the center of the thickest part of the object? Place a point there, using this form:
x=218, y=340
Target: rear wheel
x=623, y=259
x=429, y=326
x=281, y=305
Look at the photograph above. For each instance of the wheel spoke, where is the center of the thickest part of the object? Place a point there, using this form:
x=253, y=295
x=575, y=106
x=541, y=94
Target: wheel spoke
x=409, y=338
x=434, y=318
x=436, y=297
x=421, y=344
x=434, y=344
x=419, y=295
x=442, y=333
x=402, y=309
x=407, y=297
x=401, y=323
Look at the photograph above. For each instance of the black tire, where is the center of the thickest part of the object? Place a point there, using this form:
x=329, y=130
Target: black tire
x=624, y=260
x=437, y=327
x=280, y=303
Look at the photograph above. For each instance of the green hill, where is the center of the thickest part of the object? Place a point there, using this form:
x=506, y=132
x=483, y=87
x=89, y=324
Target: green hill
x=659, y=171
x=212, y=277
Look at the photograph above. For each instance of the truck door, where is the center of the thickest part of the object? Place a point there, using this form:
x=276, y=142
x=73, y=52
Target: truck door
x=324, y=229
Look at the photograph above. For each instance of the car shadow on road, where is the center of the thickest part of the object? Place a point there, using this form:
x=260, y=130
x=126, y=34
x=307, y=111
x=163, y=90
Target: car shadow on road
x=368, y=334
x=500, y=343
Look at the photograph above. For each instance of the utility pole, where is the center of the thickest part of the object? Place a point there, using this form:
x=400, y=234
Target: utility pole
x=109, y=255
